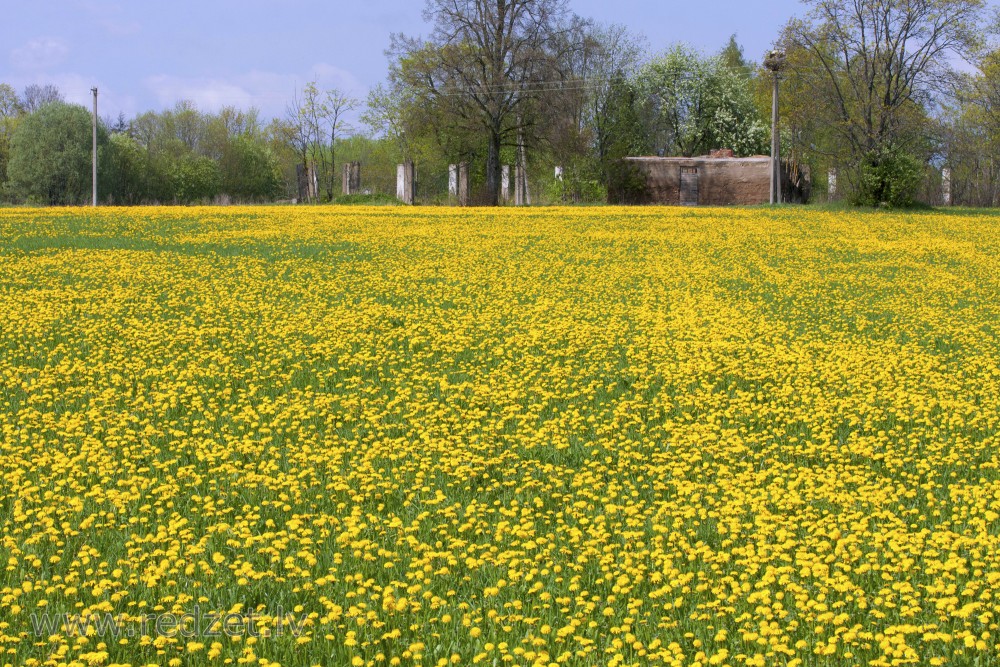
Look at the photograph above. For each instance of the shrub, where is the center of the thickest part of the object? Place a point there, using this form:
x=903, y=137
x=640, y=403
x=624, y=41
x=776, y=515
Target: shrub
x=889, y=178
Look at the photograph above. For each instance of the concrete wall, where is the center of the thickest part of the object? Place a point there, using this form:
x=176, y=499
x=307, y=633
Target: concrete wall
x=721, y=181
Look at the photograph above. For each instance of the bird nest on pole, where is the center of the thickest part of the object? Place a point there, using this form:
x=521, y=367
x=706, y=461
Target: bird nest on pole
x=775, y=61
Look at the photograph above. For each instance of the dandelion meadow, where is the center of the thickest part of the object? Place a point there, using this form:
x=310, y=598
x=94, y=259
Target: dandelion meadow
x=527, y=437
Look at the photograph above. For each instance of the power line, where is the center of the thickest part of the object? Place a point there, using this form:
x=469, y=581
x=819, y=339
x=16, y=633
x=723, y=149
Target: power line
x=572, y=85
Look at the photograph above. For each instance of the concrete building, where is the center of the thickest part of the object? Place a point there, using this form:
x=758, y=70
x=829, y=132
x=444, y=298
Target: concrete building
x=718, y=179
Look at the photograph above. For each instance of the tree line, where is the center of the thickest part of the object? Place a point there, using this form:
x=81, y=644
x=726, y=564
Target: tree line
x=888, y=94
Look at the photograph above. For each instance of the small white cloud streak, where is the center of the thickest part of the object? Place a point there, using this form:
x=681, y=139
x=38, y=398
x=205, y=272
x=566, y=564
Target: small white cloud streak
x=39, y=54
x=270, y=92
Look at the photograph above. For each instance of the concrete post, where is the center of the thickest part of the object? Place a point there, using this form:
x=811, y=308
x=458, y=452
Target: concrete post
x=505, y=183
x=946, y=186
x=405, y=182
x=346, y=181
x=463, y=184
x=351, y=183
x=453, y=181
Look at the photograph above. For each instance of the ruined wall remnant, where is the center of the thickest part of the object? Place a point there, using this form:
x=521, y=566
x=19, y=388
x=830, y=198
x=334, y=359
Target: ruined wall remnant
x=715, y=180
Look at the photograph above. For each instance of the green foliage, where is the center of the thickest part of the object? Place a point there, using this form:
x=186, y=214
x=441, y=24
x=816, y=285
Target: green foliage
x=622, y=132
x=577, y=187
x=697, y=103
x=195, y=179
x=888, y=178
x=122, y=170
x=732, y=58
x=250, y=172
x=627, y=185
x=50, y=156
x=10, y=111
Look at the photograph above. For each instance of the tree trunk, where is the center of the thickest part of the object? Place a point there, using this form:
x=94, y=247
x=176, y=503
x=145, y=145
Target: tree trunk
x=493, y=169
x=333, y=161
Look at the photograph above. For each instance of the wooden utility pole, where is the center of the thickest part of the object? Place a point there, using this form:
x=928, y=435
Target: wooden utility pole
x=94, y=174
x=775, y=61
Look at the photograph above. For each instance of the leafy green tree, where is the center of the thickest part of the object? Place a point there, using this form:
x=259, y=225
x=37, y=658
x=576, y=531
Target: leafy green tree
x=250, y=171
x=889, y=178
x=696, y=103
x=868, y=73
x=194, y=179
x=50, y=156
x=124, y=168
x=732, y=58
x=10, y=114
x=623, y=133
x=970, y=131
x=483, y=68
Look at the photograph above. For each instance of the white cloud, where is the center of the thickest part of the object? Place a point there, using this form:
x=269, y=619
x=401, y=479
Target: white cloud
x=207, y=94
x=75, y=89
x=270, y=92
x=331, y=76
x=39, y=54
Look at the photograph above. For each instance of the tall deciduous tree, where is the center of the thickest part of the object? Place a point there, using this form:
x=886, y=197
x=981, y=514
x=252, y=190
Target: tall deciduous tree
x=51, y=155
x=36, y=96
x=970, y=132
x=336, y=105
x=316, y=120
x=483, y=63
x=10, y=113
x=697, y=103
x=874, y=67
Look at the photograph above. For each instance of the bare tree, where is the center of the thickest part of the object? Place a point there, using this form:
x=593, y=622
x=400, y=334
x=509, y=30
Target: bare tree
x=295, y=132
x=36, y=96
x=334, y=108
x=878, y=61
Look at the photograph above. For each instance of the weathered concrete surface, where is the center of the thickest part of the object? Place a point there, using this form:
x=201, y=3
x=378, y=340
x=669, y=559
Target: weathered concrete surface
x=721, y=181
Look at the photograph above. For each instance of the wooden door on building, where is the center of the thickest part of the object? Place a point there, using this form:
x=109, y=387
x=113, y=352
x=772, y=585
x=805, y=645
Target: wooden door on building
x=689, y=186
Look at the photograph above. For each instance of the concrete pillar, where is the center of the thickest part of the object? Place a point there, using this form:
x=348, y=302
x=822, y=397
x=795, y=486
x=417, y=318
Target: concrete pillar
x=351, y=184
x=346, y=181
x=453, y=181
x=505, y=183
x=405, y=182
x=831, y=184
x=463, y=184
x=946, y=186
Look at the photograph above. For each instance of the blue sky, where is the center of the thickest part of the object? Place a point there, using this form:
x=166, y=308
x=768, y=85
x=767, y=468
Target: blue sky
x=148, y=54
